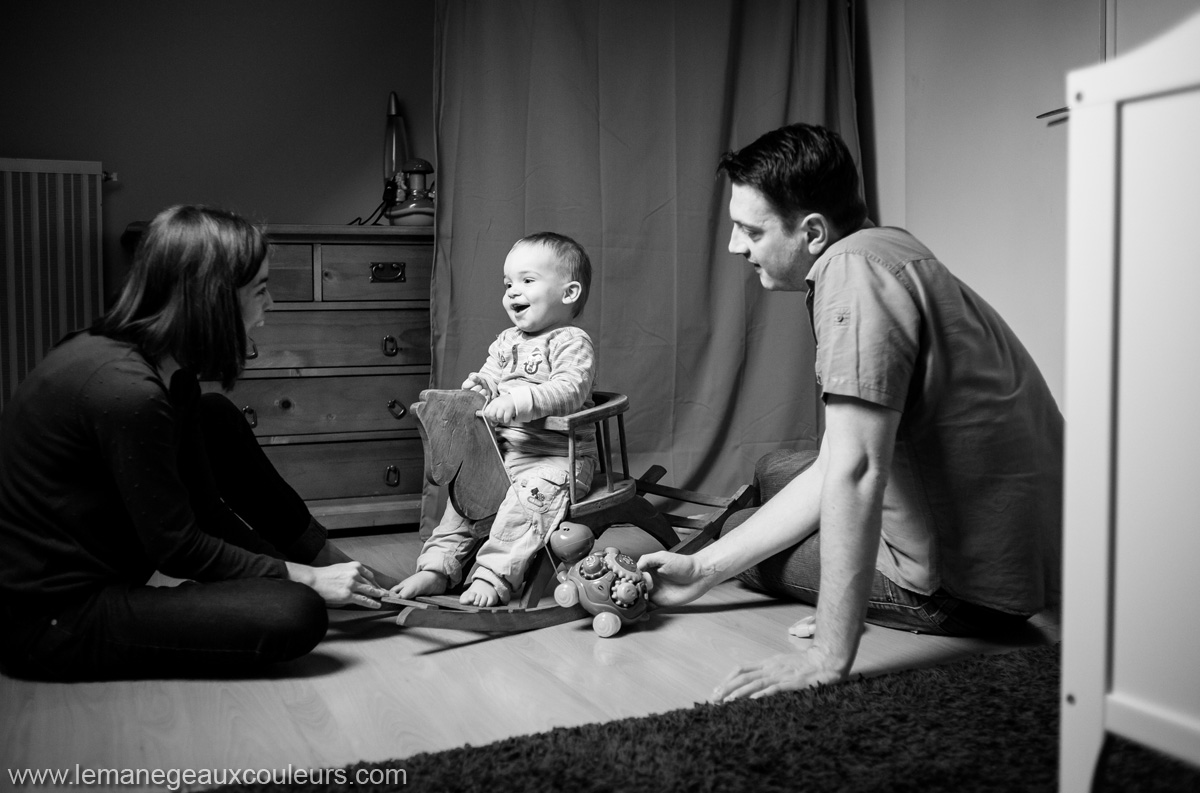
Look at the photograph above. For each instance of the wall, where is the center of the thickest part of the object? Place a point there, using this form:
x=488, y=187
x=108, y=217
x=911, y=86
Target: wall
x=983, y=181
x=1131, y=23
x=960, y=159
x=273, y=108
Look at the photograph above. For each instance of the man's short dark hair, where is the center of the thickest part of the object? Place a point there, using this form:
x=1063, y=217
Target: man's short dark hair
x=801, y=168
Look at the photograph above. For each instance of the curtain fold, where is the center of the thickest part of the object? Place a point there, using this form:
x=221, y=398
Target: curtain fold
x=604, y=120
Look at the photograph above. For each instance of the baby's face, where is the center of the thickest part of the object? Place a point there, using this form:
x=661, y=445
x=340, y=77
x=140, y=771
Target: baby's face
x=538, y=296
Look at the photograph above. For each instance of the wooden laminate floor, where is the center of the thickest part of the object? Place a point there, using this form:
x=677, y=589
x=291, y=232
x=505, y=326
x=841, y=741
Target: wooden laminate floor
x=372, y=691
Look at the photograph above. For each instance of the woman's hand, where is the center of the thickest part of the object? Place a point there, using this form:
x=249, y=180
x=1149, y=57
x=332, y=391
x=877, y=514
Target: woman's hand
x=675, y=578
x=343, y=584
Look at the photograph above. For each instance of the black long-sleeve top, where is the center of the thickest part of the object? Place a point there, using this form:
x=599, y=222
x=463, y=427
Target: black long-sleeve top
x=90, y=486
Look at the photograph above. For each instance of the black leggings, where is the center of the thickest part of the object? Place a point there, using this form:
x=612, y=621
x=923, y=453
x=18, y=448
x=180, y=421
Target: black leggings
x=223, y=628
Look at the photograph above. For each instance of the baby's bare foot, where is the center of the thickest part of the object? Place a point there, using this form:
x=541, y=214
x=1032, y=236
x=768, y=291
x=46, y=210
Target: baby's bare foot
x=480, y=593
x=425, y=582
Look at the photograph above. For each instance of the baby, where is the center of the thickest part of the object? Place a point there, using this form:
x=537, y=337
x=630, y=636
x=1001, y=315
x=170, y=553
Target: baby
x=542, y=366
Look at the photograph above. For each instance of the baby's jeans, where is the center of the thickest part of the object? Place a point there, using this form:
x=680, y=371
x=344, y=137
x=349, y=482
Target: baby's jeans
x=533, y=507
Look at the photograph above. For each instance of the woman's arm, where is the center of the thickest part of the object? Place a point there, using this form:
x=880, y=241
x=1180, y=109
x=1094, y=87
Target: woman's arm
x=137, y=431
x=340, y=584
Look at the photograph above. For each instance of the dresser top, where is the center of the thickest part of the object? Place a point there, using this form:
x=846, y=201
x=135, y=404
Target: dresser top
x=279, y=231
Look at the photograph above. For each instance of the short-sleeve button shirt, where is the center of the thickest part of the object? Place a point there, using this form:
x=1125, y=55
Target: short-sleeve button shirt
x=973, y=501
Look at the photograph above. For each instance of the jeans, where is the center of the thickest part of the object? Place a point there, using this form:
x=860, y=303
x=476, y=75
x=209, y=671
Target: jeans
x=193, y=629
x=532, y=508
x=796, y=573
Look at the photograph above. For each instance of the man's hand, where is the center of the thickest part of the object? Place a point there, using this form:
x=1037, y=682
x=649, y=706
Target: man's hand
x=501, y=410
x=675, y=578
x=784, y=672
x=477, y=383
x=347, y=583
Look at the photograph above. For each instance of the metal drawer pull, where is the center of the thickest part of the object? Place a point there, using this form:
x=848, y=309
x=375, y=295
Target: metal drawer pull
x=251, y=416
x=392, y=408
x=391, y=476
x=251, y=353
x=387, y=272
x=390, y=345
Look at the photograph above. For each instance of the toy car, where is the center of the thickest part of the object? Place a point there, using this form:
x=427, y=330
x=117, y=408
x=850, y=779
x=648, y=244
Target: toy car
x=609, y=586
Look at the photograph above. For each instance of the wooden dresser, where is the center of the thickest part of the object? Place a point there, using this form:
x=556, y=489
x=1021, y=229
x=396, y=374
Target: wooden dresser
x=342, y=355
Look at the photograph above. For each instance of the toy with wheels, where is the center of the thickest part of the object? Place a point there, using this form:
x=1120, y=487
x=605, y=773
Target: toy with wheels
x=461, y=454
x=609, y=587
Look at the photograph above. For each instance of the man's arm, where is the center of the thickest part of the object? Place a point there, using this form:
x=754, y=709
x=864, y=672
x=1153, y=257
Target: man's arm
x=788, y=518
x=861, y=446
x=857, y=453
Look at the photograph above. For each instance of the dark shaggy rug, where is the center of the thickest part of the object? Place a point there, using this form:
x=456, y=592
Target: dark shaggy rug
x=989, y=723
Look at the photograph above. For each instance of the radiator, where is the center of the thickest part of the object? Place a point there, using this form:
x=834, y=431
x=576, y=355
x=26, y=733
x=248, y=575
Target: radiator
x=50, y=238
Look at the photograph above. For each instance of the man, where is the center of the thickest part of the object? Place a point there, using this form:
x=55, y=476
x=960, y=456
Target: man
x=934, y=502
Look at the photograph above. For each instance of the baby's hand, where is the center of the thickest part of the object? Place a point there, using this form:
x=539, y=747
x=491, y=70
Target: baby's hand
x=476, y=382
x=501, y=410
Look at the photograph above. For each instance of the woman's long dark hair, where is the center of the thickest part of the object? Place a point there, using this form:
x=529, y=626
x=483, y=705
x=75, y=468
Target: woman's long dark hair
x=180, y=298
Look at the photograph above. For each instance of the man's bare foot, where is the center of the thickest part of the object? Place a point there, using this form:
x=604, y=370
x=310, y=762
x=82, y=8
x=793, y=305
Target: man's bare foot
x=480, y=593
x=424, y=582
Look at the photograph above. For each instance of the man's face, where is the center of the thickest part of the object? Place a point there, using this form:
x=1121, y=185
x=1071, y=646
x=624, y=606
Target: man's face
x=781, y=260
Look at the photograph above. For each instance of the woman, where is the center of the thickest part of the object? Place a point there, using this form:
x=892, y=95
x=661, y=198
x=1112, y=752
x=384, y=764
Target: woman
x=112, y=466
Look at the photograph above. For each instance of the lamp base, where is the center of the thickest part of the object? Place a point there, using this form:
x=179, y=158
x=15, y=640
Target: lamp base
x=411, y=217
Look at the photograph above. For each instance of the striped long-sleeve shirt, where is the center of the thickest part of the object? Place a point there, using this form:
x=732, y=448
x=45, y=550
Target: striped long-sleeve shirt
x=548, y=374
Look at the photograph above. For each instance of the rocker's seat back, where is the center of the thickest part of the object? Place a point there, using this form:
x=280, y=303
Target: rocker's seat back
x=461, y=453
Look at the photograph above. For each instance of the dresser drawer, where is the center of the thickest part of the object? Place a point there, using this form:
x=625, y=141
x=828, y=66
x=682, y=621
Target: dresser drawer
x=350, y=470
x=376, y=272
x=383, y=337
x=309, y=405
x=291, y=273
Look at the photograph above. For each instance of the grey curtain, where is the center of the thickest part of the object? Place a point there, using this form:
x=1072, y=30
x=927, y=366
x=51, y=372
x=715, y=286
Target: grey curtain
x=604, y=120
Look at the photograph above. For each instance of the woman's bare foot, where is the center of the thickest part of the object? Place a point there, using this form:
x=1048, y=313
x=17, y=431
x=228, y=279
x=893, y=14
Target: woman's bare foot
x=480, y=593
x=424, y=582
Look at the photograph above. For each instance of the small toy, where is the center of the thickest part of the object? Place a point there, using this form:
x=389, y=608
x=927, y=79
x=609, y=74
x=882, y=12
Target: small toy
x=609, y=587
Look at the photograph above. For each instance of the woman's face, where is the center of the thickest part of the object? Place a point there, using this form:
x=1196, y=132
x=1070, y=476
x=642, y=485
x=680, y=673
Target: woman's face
x=255, y=299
